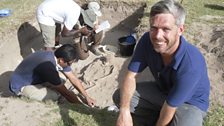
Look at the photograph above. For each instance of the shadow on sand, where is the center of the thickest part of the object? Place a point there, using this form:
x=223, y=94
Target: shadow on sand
x=4, y=86
x=29, y=38
x=82, y=113
x=214, y=6
x=125, y=27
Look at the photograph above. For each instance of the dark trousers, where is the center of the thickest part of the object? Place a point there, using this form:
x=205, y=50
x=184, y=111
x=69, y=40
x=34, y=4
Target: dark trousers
x=147, y=101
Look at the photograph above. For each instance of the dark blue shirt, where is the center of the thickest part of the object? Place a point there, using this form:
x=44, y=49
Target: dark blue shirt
x=37, y=68
x=184, y=80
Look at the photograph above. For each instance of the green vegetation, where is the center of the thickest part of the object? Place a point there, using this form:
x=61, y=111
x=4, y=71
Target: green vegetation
x=22, y=11
x=215, y=116
x=79, y=115
x=197, y=8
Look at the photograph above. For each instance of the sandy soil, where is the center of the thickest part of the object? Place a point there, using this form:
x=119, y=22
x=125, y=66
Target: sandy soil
x=101, y=77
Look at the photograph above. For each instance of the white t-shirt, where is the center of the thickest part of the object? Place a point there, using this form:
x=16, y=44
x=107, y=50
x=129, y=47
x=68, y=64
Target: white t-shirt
x=64, y=12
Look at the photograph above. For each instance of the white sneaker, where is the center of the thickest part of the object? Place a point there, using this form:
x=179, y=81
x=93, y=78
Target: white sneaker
x=112, y=108
x=95, y=51
x=57, y=46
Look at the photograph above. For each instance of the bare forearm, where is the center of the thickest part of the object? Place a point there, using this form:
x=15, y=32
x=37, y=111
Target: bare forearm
x=126, y=91
x=73, y=32
x=71, y=97
x=166, y=115
x=78, y=85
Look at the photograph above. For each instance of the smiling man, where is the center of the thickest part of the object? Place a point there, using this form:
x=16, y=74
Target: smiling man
x=179, y=96
x=37, y=76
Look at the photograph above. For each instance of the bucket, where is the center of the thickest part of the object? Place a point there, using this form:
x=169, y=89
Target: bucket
x=126, y=46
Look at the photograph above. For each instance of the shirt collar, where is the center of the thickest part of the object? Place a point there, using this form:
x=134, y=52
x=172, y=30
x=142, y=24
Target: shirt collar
x=179, y=53
x=58, y=67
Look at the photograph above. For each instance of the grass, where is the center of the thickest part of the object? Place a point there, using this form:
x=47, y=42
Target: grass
x=198, y=8
x=22, y=10
x=215, y=116
x=79, y=115
x=76, y=115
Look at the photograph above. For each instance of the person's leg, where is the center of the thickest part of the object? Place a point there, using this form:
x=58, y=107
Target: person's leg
x=42, y=91
x=80, y=44
x=145, y=103
x=81, y=48
x=57, y=35
x=97, y=40
x=147, y=95
x=48, y=33
x=39, y=92
x=188, y=115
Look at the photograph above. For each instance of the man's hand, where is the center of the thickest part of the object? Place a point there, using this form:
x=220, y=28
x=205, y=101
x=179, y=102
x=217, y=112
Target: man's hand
x=124, y=118
x=166, y=115
x=85, y=31
x=96, y=26
x=90, y=102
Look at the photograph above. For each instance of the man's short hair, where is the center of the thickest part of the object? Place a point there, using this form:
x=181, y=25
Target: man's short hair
x=171, y=7
x=67, y=52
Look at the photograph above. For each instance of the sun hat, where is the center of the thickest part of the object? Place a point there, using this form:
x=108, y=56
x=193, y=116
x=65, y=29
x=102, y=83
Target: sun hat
x=90, y=15
x=95, y=7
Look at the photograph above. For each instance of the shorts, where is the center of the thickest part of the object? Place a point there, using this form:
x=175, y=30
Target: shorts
x=39, y=93
x=48, y=34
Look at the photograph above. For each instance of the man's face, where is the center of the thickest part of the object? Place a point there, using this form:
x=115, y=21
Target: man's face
x=164, y=33
x=63, y=63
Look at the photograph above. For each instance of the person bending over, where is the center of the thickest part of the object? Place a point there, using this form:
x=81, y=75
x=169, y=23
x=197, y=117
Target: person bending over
x=89, y=18
x=77, y=23
x=37, y=76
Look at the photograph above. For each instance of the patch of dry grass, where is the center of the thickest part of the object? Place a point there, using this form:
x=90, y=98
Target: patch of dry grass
x=22, y=11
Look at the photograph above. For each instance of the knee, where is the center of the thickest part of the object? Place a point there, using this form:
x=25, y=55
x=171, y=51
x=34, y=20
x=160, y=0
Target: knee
x=116, y=97
x=99, y=37
x=82, y=51
x=100, y=34
x=83, y=55
x=187, y=115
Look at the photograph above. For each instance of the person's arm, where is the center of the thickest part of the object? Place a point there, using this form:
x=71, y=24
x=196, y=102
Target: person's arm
x=78, y=85
x=166, y=115
x=68, y=33
x=47, y=72
x=126, y=92
x=96, y=24
x=70, y=96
